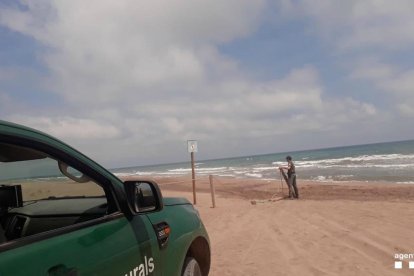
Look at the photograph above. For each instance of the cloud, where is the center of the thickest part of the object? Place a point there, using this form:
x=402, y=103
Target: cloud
x=355, y=24
x=366, y=37
x=70, y=128
x=402, y=83
x=372, y=69
x=120, y=46
x=406, y=109
x=139, y=78
x=392, y=79
x=5, y=103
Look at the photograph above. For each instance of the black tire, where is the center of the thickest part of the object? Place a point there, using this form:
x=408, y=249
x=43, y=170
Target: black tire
x=191, y=267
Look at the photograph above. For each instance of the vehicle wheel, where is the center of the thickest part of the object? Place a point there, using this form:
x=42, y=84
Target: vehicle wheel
x=191, y=267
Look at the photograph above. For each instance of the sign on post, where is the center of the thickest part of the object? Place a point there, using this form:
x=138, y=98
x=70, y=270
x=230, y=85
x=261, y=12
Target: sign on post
x=192, y=147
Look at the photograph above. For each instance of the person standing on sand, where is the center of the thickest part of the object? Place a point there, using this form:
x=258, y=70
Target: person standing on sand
x=291, y=173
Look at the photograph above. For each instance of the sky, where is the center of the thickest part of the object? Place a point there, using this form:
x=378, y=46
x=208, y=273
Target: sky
x=128, y=82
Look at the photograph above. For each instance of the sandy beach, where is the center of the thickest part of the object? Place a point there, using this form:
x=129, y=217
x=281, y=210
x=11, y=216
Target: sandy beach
x=348, y=228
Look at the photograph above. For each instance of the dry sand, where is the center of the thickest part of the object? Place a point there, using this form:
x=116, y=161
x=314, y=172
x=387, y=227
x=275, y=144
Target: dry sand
x=333, y=229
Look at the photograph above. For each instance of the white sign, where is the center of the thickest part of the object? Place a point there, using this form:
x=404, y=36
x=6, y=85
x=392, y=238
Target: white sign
x=192, y=145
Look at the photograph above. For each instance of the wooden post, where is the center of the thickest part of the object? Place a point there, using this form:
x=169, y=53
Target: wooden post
x=281, y=184
x=192, y=147
x=213, y=192
x=193, y=178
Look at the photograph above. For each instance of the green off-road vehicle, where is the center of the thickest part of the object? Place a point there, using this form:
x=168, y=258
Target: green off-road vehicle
x=63, y=214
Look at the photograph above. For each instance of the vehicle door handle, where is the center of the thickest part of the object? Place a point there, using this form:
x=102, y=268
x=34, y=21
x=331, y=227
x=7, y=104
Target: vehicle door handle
x=61, y=269
x=162, y=230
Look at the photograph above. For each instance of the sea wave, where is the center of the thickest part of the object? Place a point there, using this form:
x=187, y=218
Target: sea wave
x=254, y=175
x=261, y=169
x=365, y=165
x=180, y=170
x=199, y=169
x=387, y=160
x=321, y=178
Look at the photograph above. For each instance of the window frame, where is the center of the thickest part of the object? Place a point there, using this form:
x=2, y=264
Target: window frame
x=114, y=208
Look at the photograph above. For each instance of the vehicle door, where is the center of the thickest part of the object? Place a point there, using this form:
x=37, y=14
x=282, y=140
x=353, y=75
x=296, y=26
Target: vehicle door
x=67, y=225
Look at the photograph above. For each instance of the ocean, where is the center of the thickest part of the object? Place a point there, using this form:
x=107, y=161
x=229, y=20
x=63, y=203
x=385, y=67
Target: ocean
x=389, y=162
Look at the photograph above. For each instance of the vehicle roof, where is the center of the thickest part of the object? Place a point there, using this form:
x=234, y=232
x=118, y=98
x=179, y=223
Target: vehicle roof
x=15, y=125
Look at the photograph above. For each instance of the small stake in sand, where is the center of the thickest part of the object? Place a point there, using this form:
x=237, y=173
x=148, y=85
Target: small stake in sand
x=281, y=182
x=213, y=192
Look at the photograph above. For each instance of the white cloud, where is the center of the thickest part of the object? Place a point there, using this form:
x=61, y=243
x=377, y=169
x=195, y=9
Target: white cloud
x=143, y=77
x=365, y=35
x=397, y=82
x=407, y=109
x=130, y=48
x=5, y=103
x=402, y=83
x=358, y=24
x=68, y=128
x=372, y=69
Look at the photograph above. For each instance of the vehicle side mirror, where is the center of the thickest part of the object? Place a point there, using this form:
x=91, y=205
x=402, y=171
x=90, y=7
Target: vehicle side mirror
x=143, y=196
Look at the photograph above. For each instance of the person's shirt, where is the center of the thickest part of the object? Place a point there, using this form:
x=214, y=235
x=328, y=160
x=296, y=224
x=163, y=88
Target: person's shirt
x=291, y=168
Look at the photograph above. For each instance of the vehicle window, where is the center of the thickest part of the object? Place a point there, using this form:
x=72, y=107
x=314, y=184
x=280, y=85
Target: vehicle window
x=40, y=193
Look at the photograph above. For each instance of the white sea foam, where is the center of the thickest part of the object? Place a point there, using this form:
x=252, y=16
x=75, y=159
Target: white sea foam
x=359, y=167
x=123, y=174
x=255, y=175
x=261, y=169
x=241, y=172
x=212, y=169
x=180, y=170
x=41, y=179
x=366, y=161
x=144, y=173
x=342, y=176
x=322, y=178
x=170, y=173
x=361, y=158
x=203, y=170
x=226, y=175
